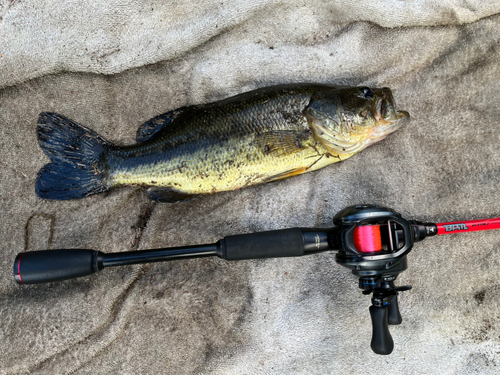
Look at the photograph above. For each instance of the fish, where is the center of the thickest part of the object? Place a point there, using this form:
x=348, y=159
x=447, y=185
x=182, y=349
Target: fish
x=260, y=136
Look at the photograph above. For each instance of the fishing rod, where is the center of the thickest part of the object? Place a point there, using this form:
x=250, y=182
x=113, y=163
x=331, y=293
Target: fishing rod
x=371, y=240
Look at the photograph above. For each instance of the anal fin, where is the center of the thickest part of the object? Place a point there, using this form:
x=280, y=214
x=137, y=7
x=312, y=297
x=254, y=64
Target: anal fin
x=169, y=195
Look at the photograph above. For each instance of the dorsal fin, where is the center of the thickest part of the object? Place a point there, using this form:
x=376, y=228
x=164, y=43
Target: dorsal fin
x=150, y=128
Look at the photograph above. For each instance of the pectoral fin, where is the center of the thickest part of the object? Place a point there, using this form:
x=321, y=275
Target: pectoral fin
x=168, y=195
x=281, y=142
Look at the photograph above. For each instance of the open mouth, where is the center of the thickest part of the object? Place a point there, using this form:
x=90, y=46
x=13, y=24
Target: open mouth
x=400, y=119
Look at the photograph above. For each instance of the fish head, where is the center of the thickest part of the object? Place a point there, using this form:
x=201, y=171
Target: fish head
x=347, y=120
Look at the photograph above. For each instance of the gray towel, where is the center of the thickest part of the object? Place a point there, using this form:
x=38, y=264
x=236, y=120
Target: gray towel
x=112, y=65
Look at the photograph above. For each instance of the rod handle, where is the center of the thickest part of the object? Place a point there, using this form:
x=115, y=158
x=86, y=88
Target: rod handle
x=382, y=342
x=272, y=244
x=36, y=267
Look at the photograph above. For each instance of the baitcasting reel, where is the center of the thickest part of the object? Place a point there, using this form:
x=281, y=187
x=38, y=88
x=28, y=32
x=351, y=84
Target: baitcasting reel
x=371, y=240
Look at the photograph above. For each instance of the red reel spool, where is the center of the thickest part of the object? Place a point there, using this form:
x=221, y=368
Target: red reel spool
x=368, y=239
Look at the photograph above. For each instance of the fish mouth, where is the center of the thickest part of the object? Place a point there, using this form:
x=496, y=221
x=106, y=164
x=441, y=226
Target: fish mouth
x=401, y=118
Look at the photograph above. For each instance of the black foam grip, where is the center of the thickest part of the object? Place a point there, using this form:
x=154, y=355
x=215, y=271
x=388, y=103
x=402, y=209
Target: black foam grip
x=54, y=265
x=279, y=243
x=382, y=342
x=394, y=316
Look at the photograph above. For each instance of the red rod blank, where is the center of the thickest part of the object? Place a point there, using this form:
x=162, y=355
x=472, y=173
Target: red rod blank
x=468, y=226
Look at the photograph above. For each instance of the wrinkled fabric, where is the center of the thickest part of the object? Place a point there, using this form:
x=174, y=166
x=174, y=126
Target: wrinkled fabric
x=113, y=65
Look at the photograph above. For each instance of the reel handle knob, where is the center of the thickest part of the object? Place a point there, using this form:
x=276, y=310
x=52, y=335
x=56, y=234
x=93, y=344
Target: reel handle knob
x=394, y=316
x=382, y=342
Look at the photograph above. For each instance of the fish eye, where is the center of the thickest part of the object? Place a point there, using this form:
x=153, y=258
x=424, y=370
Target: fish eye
x=366, y=92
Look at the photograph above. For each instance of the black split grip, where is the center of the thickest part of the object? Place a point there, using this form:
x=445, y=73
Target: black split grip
x=55, y=265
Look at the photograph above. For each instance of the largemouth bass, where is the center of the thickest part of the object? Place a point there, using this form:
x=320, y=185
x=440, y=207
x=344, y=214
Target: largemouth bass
x=264, y=135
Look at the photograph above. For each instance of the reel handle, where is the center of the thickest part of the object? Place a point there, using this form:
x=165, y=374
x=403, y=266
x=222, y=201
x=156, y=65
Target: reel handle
x=394, y=316
x=382, y=342
x=382, y=316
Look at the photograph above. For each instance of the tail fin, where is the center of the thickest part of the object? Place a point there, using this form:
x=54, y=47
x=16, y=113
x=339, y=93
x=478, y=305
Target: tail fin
x=75, y=152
